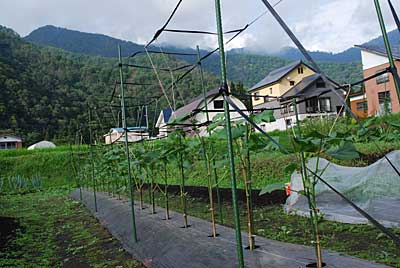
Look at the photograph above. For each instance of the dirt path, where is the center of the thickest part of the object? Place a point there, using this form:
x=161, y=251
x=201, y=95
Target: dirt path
x=165, y=244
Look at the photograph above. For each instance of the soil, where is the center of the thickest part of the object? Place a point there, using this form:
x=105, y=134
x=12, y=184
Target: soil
x=274, y=198
x=8, y=231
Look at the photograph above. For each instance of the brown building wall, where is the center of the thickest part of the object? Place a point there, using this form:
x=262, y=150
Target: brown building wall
x=18, y=145
x=358, y=113
x=372, y=89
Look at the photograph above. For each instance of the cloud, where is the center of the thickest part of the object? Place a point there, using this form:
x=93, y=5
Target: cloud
x=327, y=25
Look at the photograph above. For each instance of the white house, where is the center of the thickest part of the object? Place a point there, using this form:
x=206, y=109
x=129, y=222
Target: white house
x=10, y=141
x=197, y=112
x=134, y=134
x=162, y=122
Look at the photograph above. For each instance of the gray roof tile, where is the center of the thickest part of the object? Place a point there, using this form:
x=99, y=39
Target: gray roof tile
x=276, y=75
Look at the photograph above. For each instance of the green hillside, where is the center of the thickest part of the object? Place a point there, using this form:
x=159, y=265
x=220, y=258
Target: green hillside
x=252, y=68
x=242, y=67
x=45, y=91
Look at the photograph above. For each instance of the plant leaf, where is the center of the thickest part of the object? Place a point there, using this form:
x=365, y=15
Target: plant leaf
x=272, y=187
x=346, y=151
x=266, y=116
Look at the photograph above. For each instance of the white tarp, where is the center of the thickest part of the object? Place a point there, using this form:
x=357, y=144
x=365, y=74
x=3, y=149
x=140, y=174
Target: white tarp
x=375, y=188
x=42, y=145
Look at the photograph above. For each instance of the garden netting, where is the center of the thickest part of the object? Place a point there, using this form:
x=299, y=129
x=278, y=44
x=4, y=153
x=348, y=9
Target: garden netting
x=375, y=189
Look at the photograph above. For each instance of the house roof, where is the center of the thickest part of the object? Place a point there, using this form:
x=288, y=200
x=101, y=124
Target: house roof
x=11, y=137
x=167, y=114
x=194, y=103
x=130, y=129
x=277, y=74
x=301, y=88
x=381, y=50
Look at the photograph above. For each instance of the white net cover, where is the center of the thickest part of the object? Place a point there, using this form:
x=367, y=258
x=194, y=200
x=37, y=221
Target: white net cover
x=375, y=188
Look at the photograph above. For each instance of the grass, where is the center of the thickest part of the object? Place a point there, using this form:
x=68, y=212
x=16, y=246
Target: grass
x=50, y=230
x=363, y=241
x=52, y=165
x=55, y=168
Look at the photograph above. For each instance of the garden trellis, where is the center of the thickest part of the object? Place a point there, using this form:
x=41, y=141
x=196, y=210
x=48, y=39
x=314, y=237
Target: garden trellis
x=239, y=137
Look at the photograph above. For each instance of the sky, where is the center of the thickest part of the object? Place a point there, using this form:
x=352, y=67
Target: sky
x=324, y=25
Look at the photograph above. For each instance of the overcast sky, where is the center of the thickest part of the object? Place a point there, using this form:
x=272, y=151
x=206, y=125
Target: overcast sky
x=326, y=25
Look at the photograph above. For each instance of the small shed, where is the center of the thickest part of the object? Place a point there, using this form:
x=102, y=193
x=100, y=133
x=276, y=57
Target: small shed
x=42, y=145
x=10, y=141
x=134, y=134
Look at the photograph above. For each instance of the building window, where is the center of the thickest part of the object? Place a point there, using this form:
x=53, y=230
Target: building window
x=11, y=145
x=270, y=91
x=289, y=108
x=257, y=96
x=362, y=106
x=383, y=78
x=384, y=96
x=325, y=105
x=320, y=84
x=300, y=70
x=312, y=105
x=316, y=105
x=385, y=103
x=218, y=104
x=292, y=83
x=288, y=122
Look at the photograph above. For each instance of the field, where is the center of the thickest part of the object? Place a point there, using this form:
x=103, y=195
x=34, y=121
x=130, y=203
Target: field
x=57, y=169
x=36, y=177
x=47, y=229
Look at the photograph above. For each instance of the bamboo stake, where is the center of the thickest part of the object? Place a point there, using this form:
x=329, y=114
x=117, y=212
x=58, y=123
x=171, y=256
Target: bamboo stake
x=310, y=197
x=166, y=192
x=126, y=144
x=205, y=154
x=183, y=194
x=92, y=157
x=249, y=200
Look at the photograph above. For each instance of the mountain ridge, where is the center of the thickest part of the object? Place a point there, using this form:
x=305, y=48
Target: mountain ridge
x=242, y=67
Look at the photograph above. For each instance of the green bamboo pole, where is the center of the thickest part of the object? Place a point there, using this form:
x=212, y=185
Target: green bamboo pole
x=387, y=45
x=311, y=199
x=126, y=144
x=229, y=136
x=92, y=158
x=205, y=154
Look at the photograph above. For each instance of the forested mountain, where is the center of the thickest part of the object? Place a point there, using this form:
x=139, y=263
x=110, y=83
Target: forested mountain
x=250, y=69
x=78, y=42
x=242, y=67
x=45, y=91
